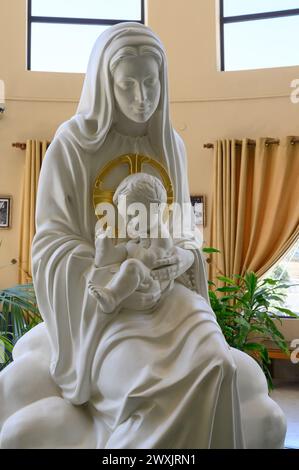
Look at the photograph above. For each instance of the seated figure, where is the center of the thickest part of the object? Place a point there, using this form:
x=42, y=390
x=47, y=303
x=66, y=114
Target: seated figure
x=138, y=377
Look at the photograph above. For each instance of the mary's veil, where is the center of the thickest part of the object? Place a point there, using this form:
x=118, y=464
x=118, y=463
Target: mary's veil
x=90, y=125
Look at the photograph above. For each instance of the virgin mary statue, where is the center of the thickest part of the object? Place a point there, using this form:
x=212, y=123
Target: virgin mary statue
x=142, y=377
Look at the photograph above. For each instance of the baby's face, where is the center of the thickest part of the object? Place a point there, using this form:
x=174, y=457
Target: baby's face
x=145, y=214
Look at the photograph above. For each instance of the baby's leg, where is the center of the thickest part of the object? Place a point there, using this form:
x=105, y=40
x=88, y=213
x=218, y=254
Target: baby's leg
x=131, y=274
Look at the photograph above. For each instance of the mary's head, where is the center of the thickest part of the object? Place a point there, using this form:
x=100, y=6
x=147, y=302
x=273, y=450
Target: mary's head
x=135, y=72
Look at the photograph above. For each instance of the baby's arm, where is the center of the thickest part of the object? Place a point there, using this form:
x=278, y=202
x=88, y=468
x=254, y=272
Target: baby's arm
x=107, y=252
x=162, y=246
x=146, y=255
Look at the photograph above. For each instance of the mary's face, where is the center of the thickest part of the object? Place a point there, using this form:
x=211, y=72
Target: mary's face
x=137, y=87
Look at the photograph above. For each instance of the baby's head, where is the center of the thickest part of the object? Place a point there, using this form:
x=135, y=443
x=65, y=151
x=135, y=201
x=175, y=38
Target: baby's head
x=145, y=189
x=141, y=187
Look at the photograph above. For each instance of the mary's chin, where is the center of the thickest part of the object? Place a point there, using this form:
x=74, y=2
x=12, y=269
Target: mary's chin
x=140, y=115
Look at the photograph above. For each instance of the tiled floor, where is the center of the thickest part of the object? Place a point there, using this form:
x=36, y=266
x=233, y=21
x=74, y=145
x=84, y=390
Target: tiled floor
x=287, y=397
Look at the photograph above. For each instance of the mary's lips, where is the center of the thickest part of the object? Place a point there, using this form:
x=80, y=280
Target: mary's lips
x=141, y=109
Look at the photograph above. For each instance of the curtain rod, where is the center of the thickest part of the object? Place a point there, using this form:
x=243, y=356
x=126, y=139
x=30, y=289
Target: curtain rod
x=253, y=142
x=22, y=145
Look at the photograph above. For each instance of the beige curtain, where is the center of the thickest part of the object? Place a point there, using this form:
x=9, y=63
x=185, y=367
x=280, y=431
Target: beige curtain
x=255, y=216
x=35, y=151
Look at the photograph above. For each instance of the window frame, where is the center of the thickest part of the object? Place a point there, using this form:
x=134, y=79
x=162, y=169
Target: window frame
x=249, y=17
x=60, y=20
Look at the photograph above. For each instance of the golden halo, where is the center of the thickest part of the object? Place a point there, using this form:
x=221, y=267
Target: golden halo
x=134, y=164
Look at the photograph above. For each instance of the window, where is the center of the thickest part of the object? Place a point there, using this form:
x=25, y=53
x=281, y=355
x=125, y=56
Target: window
x=259, y=34
x=287, y=269
x=61, y=33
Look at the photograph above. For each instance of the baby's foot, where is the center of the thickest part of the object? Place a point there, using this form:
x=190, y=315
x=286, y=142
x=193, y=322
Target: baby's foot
x=104, y=297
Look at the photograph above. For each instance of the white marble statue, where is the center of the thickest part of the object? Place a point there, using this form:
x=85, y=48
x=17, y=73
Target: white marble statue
x=139, y=377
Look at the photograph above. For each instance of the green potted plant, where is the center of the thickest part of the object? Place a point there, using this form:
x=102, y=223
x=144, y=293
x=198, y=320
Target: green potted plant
x=18, y=314
x=246, y=308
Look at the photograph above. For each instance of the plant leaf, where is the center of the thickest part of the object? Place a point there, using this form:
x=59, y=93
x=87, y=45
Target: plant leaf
x=287, y=311
x=210, y=250
x=227, y=280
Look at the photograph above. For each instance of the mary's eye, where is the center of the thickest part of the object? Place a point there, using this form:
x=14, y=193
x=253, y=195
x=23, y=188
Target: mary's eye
x=151, y=81
x=125, y=84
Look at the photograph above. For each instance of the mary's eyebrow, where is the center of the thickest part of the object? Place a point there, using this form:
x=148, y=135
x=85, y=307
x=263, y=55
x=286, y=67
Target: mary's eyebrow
x=128, y=78
x=125, y=80
x=152, y=75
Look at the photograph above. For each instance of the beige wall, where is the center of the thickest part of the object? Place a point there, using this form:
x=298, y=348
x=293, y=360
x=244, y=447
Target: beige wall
x=208, y=104
x=205, y=103
x=36, y=104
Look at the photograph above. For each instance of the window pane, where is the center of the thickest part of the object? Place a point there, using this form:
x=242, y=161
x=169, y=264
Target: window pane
x=98, y=9
x=287, y=269
x=247, y=7
x=262, y=43
x=62, y=47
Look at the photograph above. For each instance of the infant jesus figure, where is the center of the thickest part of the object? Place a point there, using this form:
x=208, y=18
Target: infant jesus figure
x=146, y=264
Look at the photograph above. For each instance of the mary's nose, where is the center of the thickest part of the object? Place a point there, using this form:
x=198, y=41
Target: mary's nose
x=140, y=93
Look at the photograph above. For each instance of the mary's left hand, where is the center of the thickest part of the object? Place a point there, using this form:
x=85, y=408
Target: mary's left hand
x=171, y=267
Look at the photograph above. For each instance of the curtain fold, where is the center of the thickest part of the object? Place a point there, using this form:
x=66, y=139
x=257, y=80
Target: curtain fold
x=35, y=152
x=255, y=215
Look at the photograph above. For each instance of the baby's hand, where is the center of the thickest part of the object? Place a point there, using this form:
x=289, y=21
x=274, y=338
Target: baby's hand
x=133, y=248
x=104, y=249
x=106, y=252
